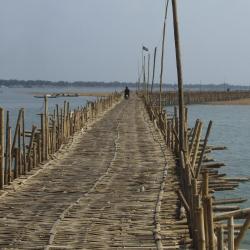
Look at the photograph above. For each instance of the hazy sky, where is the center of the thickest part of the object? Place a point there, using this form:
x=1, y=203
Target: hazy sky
x=100, y=40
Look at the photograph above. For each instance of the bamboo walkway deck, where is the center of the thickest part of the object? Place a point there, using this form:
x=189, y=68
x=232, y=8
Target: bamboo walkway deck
x=103, y=191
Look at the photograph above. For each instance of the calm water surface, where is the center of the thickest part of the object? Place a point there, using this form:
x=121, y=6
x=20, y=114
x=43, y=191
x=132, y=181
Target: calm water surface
x=13, y=99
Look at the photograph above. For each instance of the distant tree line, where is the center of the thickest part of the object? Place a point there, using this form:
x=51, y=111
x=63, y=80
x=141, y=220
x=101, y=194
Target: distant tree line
x=116, y=84
x=40, y=83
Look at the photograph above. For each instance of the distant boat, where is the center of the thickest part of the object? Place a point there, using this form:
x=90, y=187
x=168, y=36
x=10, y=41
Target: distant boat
x=55, y=95
x=42, y=96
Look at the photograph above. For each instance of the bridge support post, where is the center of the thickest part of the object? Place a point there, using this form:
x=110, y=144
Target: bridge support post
x=180, y=78
x=1, y=148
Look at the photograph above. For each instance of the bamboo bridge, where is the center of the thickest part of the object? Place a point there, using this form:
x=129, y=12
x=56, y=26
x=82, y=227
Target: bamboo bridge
x=111, y=175
x=118, y=174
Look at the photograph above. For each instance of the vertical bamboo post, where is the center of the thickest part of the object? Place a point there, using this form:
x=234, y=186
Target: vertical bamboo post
x=210, y=224
x=193, y=205
x=38, y=140
x=205, y=185
x=15, y=152
x=19, y=170
x=43, y=147
x=168, y=132
x=162, y=55
x=176, y=128
x=9, y=156
x=220, y=236
x=231, y=233
x=24, y=145
x=200, y=228
x=57, y=127
x=1, y=148
x=180, y=78
x=186, y=133
x=205, y=193
x=68, y=120
x=46, y=126
x=148, y=77
x=153, y=75
x=64, y=118
x=34, y=155
x=144, y=77
x=6, y=162
x=31, y=146
x=172, y=133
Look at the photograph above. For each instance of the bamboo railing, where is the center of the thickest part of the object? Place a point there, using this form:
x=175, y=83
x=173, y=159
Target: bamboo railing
x=25, y=150
x=200, y=179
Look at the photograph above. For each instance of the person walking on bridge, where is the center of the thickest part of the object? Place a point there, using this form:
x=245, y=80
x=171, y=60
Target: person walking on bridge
x=126, y=92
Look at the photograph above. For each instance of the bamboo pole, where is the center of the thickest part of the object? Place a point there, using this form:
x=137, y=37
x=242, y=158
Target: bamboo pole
x=144, y=77
x=242, y=233
x=17, y=128
x=148, y=77
x=193, y=137
x=43, y=138
x=1, y=148
x=23, y=142
x=38, y=140
x=57, y=127
x=210, y=224
x=162, y=54
x=201, y=229
x=31, y=146
x=180, y=78
x=153, y=75
x=9, y=152
x=68, y=119
x=34, y=155
x=15, y=153
x=61, y=128
x=205, y=184
x=196, y=145
x=6, y=148
x=186, y=137
x=203, y=149
x=231, y=233
x=184, y=202
x=46, y=121
x=220, y=237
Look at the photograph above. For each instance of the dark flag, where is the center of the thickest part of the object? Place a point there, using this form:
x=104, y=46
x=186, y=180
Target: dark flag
x=144, y=48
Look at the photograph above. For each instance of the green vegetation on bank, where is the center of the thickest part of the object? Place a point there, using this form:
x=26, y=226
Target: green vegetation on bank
x=116, y=84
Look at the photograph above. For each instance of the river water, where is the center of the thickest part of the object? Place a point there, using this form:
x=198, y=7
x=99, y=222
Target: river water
x=13, y=99
x=230, y=128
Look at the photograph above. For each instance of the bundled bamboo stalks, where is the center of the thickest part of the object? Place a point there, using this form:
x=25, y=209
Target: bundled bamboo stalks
x=25, y=150
x=200, y=179
x=197, y=97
